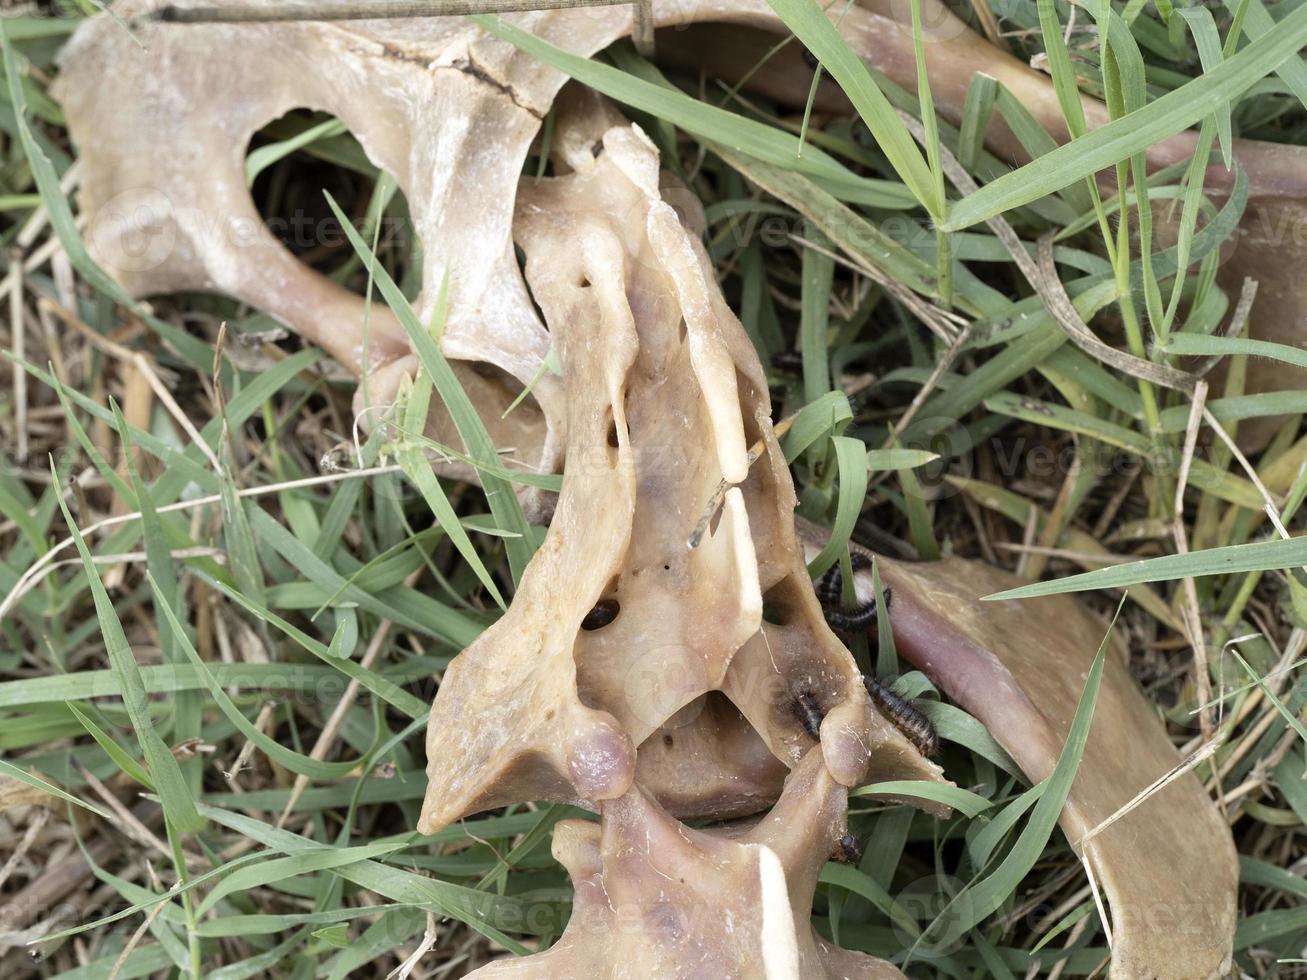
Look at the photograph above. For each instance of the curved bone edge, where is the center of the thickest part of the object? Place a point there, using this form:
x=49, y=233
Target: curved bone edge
x=278, y=67
x=799, y=654
x=682, y=613
x=1168, y=868
x=657, y=899
x=420, y=96
x=499, y=727
x=447, y=110
x=507, y=724
x=708, y=353
x=707, y=762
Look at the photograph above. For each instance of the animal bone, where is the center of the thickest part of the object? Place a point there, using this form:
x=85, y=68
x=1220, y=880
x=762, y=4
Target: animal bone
x=664, y=392
x=1019, y=671
x=451, y=113
x=667, y=901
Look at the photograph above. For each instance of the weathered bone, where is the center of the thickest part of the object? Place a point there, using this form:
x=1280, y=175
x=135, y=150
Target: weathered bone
x=450, y=113
x=1168, y=869
x=664, y=393
x=660, y=381
x=665, y=901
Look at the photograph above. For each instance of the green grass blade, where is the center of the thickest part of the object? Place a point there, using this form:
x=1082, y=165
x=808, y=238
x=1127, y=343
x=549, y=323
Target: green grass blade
x=977, y=110
x=765, y=142
x=499, y=493
x=1258, y=23
x=1256, y=557
x=294, y=761
x=263, y=873
x=817, y=271
x=1204, y=346
x=418, y=469
x=1136, y=131
x=829, y=413
x=899, y=459
x=982, y=898
x=813, y=27
x=265, y=156
x=36, y=782
x=111, y=748
x=964, y=801
x=851, y=458
x=165, y=772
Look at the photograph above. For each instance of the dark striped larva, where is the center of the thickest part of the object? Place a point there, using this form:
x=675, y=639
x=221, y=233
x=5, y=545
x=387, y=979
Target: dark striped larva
x=604, y=612
x=809, y=713
x=848, y=850
x=904, y=715
x=860, y=620
x=830, y=587
x=830, y=593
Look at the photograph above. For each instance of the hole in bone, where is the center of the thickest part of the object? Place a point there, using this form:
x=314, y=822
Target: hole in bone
x=698, y=50
x=706, y=761
x=603, y=614
x=778, y=604
x=288, y=195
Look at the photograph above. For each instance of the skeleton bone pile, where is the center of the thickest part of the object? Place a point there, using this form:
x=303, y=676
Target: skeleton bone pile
x=680, y=701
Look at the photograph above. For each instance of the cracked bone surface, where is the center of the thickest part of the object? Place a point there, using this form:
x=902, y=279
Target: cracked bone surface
x=664, y=394
x=450, y=112
x=683, y=705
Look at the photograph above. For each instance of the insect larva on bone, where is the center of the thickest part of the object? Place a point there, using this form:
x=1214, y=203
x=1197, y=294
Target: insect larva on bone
x=830, y=593
x=787, y=360
x=859, y=620
x=904, y=715
x=809, y=713
x=830, y=587
x=848, y=850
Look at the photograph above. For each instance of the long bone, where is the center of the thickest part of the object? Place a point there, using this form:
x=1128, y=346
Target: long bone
x=1167, y=868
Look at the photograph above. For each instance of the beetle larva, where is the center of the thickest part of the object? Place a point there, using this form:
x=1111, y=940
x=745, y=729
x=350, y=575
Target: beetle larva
x=809, y=713
x=830, y=593
x=904, y=715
